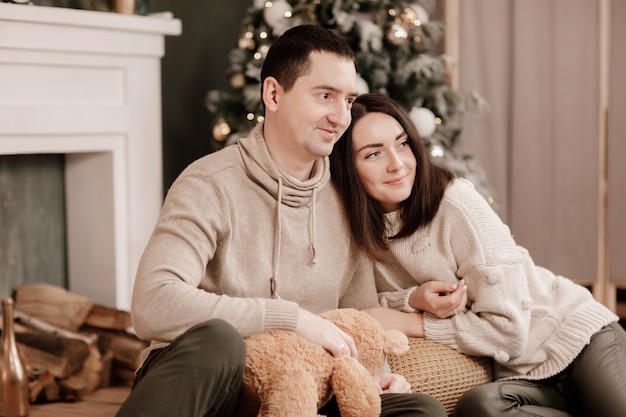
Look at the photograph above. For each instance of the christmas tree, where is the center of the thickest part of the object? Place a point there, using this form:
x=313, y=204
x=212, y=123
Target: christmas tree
x=396, y=45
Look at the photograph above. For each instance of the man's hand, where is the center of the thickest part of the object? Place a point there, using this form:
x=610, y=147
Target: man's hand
x=440, y=298
x=324, y=333
x=389, y=383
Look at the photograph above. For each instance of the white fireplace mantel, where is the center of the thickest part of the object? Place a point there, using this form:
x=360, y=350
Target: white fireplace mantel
x=88, y=85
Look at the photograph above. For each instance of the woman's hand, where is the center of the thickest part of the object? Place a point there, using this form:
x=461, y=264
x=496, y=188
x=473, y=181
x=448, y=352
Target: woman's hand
x=324, y=333
x=440, y=298
x=389, y=383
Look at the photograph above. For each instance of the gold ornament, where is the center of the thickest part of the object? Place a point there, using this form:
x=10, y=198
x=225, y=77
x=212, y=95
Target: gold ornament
x=398, y=34
x=246, y=40
x=237, y=81
x=221, y=130
x=409, y=16
x=261, y=52
x=416, y=14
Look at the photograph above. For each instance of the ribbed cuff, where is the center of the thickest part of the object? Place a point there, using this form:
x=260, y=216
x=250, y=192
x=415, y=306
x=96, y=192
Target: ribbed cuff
x=281, y=314
x=397, y=300
x=439, y=330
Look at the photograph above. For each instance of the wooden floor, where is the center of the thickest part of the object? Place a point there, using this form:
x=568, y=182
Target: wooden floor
x=102, y=403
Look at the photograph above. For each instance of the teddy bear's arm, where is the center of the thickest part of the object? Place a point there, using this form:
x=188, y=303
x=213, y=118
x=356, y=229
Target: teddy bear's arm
x=354, y=389
x=294, y=394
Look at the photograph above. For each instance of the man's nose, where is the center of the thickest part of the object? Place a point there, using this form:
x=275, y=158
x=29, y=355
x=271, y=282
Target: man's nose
x=341, y=114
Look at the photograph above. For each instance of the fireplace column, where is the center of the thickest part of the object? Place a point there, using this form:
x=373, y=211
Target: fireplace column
x=88, y=85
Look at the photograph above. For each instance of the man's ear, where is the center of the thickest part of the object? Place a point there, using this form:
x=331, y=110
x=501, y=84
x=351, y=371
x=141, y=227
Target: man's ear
x=271, y=93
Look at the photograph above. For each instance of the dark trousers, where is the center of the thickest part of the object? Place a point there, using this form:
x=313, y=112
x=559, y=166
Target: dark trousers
x=594, y=385
x=398, y=405
x=201, y=373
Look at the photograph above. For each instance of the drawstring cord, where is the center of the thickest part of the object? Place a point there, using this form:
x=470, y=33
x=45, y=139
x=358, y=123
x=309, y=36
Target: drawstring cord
x=312, y=252
x=278, y=239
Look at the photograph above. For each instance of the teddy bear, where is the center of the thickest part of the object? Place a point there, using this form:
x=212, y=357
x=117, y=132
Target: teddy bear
x=288, y=376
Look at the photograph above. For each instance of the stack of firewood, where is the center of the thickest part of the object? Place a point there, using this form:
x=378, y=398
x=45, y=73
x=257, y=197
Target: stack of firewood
x=71, y=346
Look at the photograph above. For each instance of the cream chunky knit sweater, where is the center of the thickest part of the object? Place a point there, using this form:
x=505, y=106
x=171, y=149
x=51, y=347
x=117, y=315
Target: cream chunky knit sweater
x=240, y=240
x=532, y=322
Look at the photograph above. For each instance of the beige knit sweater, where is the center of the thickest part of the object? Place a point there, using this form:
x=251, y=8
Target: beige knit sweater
x=532, y=322
x=230, y=223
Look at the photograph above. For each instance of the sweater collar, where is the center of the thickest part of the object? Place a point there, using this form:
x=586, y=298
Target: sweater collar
x=393, y=223
x=262, y=169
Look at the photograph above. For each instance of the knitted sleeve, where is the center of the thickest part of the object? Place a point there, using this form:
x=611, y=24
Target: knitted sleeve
x=496, y=272
x=397, y=300
x=167, y=299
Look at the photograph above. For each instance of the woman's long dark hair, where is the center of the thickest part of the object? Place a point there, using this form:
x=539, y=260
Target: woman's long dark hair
x=365, y=215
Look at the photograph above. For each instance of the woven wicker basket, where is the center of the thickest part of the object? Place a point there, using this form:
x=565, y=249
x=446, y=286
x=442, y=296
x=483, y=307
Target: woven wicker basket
x=438, y=370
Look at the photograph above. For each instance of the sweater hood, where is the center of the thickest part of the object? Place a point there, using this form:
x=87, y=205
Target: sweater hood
x=283, y=187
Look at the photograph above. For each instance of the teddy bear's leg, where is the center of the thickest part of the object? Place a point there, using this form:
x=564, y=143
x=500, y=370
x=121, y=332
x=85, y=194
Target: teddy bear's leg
x=361, y=402
x=293, y=395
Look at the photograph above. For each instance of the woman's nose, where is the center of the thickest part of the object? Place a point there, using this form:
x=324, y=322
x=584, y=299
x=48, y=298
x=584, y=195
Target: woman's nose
x=395, y=162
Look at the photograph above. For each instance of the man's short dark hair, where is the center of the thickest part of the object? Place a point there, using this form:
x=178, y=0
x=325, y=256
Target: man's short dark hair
x=289, y=56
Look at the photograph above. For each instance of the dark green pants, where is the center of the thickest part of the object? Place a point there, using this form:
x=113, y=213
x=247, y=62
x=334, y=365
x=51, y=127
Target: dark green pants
x=200, y=375
x=398, y=405
x=594, y=385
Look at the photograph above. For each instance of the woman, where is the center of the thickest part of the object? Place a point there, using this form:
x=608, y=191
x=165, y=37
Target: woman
x=557, y=351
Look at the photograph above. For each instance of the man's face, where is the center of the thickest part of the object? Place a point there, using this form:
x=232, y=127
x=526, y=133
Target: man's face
x=316, y=111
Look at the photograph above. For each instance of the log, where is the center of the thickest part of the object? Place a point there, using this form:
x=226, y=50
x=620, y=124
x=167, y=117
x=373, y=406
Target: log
x=39, y=361
x=57, y=305
x=124, y=377
x=52, y=350
x=126, y=349
x=51, y=329
x=51, y=377
x=87, y=379
x=108, y=318
x=44, y=388
x=106, y=374
x=72, y=346
x=71, y=358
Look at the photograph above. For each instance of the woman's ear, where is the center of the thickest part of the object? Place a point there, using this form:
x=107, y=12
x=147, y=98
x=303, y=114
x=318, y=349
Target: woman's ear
x=271, y=92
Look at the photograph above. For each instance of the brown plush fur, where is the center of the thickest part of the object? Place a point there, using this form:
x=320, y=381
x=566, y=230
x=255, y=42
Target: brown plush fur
x=287, y=376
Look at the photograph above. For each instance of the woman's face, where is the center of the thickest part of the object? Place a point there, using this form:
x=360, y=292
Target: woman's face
x=384, y=160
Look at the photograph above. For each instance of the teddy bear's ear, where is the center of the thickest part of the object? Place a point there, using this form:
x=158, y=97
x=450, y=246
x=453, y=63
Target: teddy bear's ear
x=396, y=342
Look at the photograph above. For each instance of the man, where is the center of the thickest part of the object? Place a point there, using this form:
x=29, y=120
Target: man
x=252, y=238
